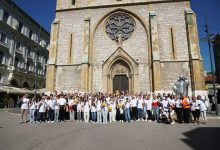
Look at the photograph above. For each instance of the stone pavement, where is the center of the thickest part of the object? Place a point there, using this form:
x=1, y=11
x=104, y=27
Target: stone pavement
x=114, y=136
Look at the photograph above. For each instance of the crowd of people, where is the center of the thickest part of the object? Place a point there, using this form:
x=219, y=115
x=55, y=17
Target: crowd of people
x=107, y=108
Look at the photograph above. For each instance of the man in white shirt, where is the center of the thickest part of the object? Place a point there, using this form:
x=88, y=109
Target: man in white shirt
x=51, y=108
x=140, y=107
x=24, y=108
x=134, y=108
x=42, y=110
x=62, y=104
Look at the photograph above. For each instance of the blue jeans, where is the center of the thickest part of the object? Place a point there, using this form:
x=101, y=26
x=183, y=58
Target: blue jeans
x=127, y=115
x=104, y=116
x=145, y=113
x=156, y=113
x=140, y=113
x=56, y=115
x=32, y=117
x=79, y=118
x=93, y=116
x=99, y=116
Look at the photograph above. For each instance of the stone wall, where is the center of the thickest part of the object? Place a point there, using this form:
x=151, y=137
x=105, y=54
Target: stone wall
x=68, y=78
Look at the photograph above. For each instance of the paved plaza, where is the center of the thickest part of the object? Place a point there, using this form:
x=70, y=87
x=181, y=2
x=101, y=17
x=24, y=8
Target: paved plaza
x=114, y=136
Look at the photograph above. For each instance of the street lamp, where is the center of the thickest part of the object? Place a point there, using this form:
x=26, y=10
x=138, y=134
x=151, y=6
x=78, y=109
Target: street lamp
x=209, y=39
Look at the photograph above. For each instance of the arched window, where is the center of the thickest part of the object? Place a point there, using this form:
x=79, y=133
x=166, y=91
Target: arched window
x=14, y=83
x=25, y=85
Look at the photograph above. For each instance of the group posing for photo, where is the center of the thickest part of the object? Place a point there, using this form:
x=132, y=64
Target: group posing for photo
x=104, y=108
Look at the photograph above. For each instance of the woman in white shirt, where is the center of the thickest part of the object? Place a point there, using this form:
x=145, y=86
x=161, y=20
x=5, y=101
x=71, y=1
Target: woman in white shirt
x=86, y=111
x=79, y=110
x=71, y=110
x=32, y=109
x=104, y=111
x=93, y=111
x=140, y=107
x=24, y=108
x=57, y=109
x=99, y=113
x=195, y=109
x=202, y=108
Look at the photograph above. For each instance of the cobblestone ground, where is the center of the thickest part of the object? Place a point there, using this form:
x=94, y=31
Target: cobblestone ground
x=114, y=136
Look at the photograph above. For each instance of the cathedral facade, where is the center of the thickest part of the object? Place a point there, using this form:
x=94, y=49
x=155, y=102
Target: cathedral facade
x=129, y=45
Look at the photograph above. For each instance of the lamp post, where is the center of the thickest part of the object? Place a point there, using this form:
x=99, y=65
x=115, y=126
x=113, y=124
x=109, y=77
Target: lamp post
x=209, y=38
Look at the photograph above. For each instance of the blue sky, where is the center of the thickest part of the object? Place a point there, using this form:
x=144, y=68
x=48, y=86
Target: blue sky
x=43, y=11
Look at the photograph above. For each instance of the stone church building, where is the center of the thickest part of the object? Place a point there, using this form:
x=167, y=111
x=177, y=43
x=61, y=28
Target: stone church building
x=134, y=45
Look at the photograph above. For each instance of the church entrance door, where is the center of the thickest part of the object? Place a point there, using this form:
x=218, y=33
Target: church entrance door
x=121, y=83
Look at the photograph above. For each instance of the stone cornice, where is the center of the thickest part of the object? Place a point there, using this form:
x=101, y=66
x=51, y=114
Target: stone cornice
x=119, y=5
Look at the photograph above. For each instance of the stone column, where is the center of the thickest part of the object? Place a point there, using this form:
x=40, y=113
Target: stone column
x=85, y=56
x=197, y=75
x=51, y=66
x=155, y=52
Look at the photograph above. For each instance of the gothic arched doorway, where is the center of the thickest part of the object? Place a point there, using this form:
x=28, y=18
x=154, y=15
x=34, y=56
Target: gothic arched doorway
x=120, y=74
x=120, y=67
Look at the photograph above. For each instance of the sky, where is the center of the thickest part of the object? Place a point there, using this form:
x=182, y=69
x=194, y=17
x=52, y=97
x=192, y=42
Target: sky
x=43, y=11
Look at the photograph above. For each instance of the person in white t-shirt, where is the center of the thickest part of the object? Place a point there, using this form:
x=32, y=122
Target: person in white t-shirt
x=99, y=112
x=93, y=111
x=127, y=111
x=56, y=109
x=79, y=108
x=51, y=108
x=32, y=109
x=42, y=110
x=24, y=108
x=86, y=111
x=62, y=103
x=149, y=108
x=71, y=110
x=202, y=108
x=140, y=108
x=133, y=104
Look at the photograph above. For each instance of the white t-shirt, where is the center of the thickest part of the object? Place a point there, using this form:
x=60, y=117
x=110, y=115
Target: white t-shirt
x=127, y=105
x=202, y=106
x=86, y=107
x=149, y=104
x=98, y=107
x=56, y=104
x=79, y=107
x=62, y=101
x=71, y=102
x=42, y=107
x=165, y=105
x=33, y=105
x=134, y=103
x=93, y=109
x=178, y=103
x=51, y=104
x=24, y=104
x=140, y=103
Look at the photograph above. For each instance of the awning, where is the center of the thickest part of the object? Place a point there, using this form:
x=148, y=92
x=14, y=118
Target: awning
x=14, y=90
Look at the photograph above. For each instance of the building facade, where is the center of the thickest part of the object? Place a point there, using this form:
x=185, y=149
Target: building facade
x=216, y=47
x=134, y=45
x=24, y=47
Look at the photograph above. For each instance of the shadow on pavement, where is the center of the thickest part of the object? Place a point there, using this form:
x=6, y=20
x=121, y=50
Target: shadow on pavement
x=204, y=138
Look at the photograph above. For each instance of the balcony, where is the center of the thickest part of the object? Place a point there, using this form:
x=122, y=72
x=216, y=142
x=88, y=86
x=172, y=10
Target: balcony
x=3, y=46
